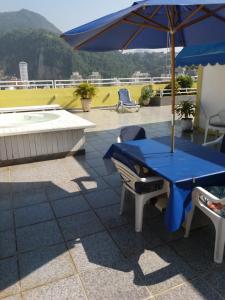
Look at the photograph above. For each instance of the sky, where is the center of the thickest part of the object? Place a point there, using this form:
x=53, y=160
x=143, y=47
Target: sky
x=67, y=14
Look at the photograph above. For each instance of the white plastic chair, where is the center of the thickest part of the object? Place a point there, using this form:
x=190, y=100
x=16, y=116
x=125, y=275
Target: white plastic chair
x=198, y=194
x=130, y=180
x=216, y=122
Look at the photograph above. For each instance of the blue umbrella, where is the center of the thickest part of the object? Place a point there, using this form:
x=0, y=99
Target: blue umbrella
x=147, y=24
x=202, y=55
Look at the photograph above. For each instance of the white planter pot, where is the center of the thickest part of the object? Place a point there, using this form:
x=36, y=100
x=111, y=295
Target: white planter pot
x=86, y=104
x=146, y=102
x=186, y=124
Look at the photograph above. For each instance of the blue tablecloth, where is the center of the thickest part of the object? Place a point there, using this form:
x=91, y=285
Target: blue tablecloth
x=189, y=166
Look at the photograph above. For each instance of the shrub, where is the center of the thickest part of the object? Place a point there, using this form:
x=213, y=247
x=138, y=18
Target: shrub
x=169, y=87
x=146, y=93
x=185, y=81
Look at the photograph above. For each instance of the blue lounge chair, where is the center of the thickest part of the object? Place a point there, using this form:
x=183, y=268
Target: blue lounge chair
x=125, y=103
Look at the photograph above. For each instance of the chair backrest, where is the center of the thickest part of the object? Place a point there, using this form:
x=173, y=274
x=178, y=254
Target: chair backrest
x=124, y=96
x=128, y=176
x=221, y=115
x=132, y=133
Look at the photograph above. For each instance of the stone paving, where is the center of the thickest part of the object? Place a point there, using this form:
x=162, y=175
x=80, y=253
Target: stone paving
x=61, y=236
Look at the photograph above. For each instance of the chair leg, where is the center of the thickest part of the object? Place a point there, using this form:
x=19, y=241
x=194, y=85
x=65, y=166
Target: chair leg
x=189, y=221
x=139, y=207
x=219, y=242
x=122, y=201
x=206, y=133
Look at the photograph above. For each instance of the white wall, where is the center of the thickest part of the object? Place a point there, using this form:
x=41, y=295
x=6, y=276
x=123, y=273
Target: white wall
x=213, y=92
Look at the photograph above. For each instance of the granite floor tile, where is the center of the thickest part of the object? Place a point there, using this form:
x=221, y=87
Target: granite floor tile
x=95, y=162
x=33, y=214
x=111, y=284
x=44, y=266
x=62, y=190
x=66, y=289
x=102, y=198
x=89, y=184
x=97, y=250
x=14, y=297
x=9, y=281
x=113, y=180
x=157, y=225
x=5, y=202
x=38, y=235
x=104, y=171
x=110, y=216
x=28, y=198
x=70, y=205
x=131, y=242
x=7, y=243
x=82, y=173
x=195, y=290
x=162, y=269
x=195, y=252
x=80, y=225
x=216, y=277
x=6, y=220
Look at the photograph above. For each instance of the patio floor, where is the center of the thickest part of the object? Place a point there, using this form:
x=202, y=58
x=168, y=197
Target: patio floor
x=61, y=236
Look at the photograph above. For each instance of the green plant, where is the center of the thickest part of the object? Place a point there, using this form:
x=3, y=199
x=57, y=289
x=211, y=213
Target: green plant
x=147, y=92
x=185, y=81
x=169, y=87
x=185, y=109
x=86, y=91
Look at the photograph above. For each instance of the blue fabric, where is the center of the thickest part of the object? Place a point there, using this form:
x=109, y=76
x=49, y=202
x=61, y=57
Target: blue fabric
x=124, y=97
x=189, y=166
x=112, y=32
x=202, y=55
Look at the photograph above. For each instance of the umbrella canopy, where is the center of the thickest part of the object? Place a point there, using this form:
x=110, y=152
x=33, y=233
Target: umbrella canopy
x=202, y=55
x=151, y=24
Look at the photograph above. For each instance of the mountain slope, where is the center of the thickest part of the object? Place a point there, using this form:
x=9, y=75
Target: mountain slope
x=25, y=19
x=48, y=56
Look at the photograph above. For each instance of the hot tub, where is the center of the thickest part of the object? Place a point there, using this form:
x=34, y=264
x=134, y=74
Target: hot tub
x=41, y=135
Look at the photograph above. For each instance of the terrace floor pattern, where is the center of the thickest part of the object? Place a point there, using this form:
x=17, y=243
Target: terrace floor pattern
x=61, y=236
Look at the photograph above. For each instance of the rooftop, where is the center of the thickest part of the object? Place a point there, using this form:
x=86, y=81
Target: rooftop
x=61, y=236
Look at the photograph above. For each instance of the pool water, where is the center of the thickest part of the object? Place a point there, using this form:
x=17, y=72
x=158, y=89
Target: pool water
x=23, y=119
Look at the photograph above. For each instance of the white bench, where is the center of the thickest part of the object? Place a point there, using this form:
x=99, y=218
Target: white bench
x=29, y=108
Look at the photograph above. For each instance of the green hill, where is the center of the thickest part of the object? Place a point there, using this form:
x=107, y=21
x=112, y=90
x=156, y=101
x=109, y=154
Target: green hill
x=24, y=19
x=47, y=55
x=28, y=36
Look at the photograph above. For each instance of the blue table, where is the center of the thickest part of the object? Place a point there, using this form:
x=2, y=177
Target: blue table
x=189, y=166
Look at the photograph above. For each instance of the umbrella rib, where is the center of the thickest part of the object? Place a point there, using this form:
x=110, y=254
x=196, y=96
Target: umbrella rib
x=194, y=12
x=139, y=30
x=169, y=17
x=133, y=36
x=97, y=34
x=144, y=25
x=150, y=20
x=213, y=14
x=207, y=15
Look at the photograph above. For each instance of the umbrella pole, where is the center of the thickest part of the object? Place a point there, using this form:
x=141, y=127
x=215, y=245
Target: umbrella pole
x=172, y=51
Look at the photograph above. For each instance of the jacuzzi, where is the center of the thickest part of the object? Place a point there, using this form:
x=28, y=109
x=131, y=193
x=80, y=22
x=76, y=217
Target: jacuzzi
x=41, y=135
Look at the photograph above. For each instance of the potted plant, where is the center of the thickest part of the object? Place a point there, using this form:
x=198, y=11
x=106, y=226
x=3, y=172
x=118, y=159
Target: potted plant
x=146, y=94
x=186, y=112
x=86, y=92
x=156, y=99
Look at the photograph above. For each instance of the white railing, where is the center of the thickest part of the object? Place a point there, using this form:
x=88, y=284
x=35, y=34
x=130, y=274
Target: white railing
x=31, y=84
x=186, y=91
x=43, y=84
